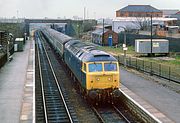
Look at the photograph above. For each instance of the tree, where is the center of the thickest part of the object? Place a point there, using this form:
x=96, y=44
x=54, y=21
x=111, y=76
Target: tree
x=142, y=22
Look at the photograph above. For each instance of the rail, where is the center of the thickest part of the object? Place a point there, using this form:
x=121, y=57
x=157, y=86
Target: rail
x=51, y=100
x=109, y=113
x=121, y=114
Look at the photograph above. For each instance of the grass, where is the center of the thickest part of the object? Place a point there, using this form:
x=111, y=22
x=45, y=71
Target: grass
x=175, y=62
x=117, y=51
x=131, y=52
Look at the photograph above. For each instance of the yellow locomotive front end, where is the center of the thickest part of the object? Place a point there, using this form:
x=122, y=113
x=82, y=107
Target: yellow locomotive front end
x=102, y=79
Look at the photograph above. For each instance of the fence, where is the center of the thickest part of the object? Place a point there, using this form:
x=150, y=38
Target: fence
x=164, y=71
x=130, y=40
x=3, y=60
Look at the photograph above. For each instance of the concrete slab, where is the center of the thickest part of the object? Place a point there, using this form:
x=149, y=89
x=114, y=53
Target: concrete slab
x=12, y=81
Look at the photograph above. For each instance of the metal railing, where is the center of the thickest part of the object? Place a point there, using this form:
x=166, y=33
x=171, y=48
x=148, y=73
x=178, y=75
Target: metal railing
x=171, y=73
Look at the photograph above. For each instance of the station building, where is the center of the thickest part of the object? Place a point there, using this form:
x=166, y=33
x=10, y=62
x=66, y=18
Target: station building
x=104, y=37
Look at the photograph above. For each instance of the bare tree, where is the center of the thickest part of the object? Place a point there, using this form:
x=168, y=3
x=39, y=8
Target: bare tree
x=142, y=22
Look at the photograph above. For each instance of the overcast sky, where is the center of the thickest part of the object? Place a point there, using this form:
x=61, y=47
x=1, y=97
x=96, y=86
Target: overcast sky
x=69, y=8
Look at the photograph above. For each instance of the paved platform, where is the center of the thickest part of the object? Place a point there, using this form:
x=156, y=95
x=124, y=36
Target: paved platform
x=13, y=78
x=166, y=102
x=151, y=111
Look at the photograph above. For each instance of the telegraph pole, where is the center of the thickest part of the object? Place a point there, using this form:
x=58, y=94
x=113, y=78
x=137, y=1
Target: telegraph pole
x=84, y=13
x=103, y=34
x=151, y=34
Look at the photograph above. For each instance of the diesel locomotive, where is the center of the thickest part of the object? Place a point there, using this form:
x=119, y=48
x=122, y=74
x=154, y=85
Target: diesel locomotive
x=96, y=72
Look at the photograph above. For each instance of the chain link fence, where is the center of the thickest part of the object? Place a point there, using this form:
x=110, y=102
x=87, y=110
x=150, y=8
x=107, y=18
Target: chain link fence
x=168, y=72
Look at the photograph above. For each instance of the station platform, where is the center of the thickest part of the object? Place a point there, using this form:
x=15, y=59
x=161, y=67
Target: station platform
x=153, y=94
x=16, y=87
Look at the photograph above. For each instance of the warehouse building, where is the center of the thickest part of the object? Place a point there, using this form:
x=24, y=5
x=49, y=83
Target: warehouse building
x=105, y=37
x=139, y=11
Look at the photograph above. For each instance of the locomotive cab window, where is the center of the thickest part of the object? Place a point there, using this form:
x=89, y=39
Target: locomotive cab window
x=84, y=67
x=110, y=67
x=95, y=67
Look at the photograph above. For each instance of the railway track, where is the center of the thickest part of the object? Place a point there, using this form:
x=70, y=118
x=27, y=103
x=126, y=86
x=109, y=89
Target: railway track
x=50, y=101
x=110, y=115
x=104, y=114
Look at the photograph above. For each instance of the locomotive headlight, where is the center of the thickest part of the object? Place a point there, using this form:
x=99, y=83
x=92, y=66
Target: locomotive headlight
x=109, y=79
x=97, y=79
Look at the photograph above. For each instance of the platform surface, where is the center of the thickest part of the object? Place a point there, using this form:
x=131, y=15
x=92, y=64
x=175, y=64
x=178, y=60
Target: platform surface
x=150, y=90
x=13, y=76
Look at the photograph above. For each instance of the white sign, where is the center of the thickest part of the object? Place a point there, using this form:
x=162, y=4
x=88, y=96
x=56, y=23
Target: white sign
x=125, y=48
x=156, y=44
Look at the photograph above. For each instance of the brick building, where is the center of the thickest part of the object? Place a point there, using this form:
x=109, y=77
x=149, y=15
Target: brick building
x=139, y=11
x=110, y=37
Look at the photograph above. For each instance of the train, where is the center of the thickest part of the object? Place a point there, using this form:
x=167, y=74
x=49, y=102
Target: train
x=96, y=72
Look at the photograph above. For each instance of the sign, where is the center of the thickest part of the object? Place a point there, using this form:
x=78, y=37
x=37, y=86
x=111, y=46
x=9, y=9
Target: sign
x=156, y=44
x=125, y=48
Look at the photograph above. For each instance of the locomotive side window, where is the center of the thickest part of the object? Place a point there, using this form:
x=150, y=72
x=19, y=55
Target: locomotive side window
x=84, y=67
x=95, y=67
x=110, y=67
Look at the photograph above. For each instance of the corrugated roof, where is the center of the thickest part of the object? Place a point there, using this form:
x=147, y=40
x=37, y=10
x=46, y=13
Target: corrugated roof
x=100, y=31
x=178, y=13
x=169, y=12
x=139, y=8
x=153, y=40
x=132, y=19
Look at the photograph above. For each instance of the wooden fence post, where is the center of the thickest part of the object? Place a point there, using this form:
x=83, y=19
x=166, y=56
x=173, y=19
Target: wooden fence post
x=169, y=73
x=159, y=69
x=143, y=66
x=151, y=73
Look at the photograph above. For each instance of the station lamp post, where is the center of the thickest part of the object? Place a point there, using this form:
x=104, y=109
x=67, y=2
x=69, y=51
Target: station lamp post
x=78, y=30
x=124, y=44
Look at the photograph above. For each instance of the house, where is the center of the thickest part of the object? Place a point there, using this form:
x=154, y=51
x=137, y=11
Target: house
x=168, y=13
x=176, y=15
x=134, y=23
x=104, y=37
x=139, y=11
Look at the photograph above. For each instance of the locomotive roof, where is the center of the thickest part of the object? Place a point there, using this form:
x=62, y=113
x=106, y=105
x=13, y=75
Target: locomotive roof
x=87, y=52
x=97, y=55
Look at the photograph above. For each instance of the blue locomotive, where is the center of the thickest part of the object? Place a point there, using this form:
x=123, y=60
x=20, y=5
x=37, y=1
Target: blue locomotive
x=96, y=72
